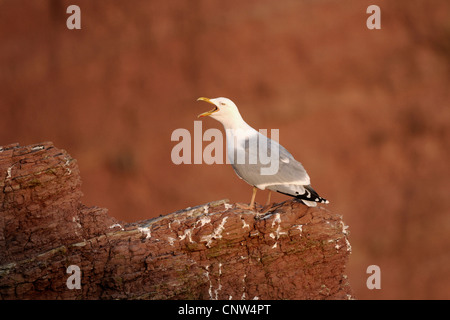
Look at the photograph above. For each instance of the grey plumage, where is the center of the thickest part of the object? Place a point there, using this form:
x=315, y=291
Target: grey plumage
x=291, y=177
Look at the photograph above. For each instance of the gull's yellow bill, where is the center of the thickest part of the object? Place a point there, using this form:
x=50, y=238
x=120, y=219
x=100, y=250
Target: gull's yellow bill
x=208, y=113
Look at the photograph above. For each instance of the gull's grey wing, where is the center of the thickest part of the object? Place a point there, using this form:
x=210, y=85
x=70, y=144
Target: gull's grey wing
x=290, y=171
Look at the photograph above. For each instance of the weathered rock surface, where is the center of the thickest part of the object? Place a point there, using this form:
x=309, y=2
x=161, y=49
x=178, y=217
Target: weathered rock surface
x=212, y=251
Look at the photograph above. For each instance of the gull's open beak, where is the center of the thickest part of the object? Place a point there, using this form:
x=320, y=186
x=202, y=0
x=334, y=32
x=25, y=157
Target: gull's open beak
x=208, y=112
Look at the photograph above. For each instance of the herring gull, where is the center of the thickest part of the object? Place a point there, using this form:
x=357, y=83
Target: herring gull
x=247, y=148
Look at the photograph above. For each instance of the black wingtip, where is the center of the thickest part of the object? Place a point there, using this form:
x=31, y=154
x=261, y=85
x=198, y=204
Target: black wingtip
x=309, y=195
x=317, y=199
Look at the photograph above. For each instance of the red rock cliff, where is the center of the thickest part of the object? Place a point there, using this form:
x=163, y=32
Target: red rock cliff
x=212, y=251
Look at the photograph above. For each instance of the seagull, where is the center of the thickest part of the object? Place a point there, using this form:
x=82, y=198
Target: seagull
x=290, y=178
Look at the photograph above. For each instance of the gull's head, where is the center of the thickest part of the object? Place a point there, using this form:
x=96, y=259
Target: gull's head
x=224, y=110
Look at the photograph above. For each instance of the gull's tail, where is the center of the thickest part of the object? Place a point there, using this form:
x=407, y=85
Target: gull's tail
x=310, y=197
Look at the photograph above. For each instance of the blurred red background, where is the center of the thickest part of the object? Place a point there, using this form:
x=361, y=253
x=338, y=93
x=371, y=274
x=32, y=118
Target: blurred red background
x=366, y=111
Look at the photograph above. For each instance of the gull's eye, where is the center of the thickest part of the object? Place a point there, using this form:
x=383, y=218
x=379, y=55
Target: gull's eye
x=222, y=103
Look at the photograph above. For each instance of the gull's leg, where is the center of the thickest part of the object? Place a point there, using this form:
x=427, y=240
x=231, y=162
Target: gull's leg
x=266, y=208
x=268, y=198
x=252, y=202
